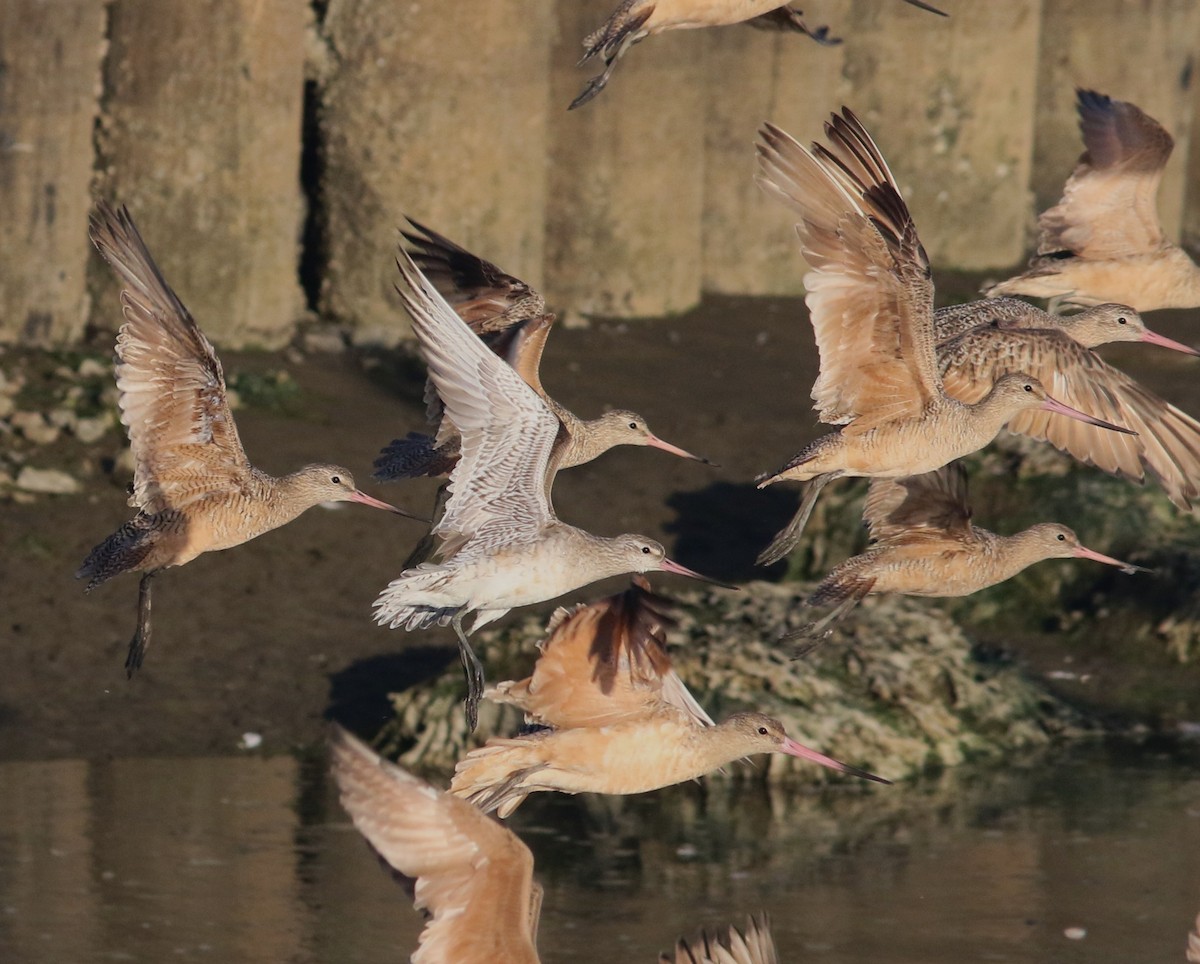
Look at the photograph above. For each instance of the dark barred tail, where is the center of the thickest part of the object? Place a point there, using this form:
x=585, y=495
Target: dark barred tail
x=124, y=551
x=413, y=457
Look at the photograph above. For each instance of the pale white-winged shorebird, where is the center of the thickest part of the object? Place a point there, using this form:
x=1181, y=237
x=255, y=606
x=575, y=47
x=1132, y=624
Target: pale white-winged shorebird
x=635, y=20
x=474, y=877
x=1103, y=241
x=621, y=721
x=193, y=487
x=511, y=318
x=870, y=300
x=501, y=545
x=924, y=544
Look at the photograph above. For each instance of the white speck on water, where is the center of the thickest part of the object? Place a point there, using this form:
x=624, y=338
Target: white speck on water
x=250, y=741
x=1075, y=933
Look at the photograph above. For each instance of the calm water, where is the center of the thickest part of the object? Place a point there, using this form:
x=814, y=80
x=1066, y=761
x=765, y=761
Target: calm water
x=250, y=860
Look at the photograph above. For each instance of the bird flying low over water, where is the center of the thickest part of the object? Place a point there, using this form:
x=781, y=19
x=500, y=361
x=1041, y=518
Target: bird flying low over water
x=473, y=876
x=193, y=487
x=1103, y=240
x=924, y=544
x=619, y=719
x=635, y=20
x=870, y=301
x=500, y=543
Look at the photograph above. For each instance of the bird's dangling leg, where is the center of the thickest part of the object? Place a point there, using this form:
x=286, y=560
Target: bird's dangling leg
x=424, y=548
x=786, y=540
x=141, y=638
x=472, y=669
x=815, y=633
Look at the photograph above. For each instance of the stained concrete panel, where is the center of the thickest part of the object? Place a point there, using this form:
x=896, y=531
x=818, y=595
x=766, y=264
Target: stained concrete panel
x=49, y=72
x=200, y=137
x=438, y=112
x=950, y=103
x=750, y=243
x=623, y=215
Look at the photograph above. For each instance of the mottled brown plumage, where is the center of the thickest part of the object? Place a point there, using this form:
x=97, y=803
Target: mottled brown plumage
x=1167, y=440
x=193, y=487
x=924, y=544
x=870, y=300
x=1103, y=242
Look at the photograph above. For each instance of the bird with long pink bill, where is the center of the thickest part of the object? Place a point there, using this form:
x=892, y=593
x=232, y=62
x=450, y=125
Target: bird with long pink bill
x=500, y=543
x=924, y=544
x=870, y=301
x=193, y=487
x=616, y=717
x=1057, y=350
x=510, y=317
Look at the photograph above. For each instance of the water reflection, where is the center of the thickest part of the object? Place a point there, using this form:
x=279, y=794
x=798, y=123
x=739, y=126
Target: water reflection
x=250, y=860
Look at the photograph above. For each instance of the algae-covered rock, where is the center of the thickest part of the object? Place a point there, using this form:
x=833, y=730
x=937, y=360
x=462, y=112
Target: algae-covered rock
x=895, y=691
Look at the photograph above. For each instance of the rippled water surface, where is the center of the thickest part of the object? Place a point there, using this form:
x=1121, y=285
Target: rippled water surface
x=248, y=859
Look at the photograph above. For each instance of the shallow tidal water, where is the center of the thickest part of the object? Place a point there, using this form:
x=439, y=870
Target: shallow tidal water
x=250, y=859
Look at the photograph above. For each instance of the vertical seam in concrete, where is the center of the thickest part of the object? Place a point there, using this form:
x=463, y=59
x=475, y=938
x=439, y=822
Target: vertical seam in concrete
x=313, y=256
x=100, y=158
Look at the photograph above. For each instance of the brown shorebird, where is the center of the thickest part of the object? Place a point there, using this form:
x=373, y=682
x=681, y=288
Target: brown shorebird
x=474, y=878
x=635, y=20
x=1103, y=241
x=925, y=545
x=754, y=945
x=512, y=320
x=1059, y=354
x=870, y=300
x=621, y=720
x=193, y=487
x=501, y=545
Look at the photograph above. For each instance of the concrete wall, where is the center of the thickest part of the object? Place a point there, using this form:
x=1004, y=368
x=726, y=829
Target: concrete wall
x=270, y=148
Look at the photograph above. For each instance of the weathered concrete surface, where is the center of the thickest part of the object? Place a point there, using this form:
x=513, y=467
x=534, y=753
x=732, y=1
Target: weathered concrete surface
x=953, y=118
x=200, y=137
x=49, y=70
x=1143, y=53
x=437, y=111
x=750, y=244
x=626, y=175
x=1190, y=231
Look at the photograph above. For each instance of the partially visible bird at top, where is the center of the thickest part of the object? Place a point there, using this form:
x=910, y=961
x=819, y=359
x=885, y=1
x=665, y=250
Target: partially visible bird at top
x=193, y=487
x=870, y=301
x=635, y=20
x=924, y=544
x=1103, y=242
x=500, y=543
x=1056, y=349
x=620, y=720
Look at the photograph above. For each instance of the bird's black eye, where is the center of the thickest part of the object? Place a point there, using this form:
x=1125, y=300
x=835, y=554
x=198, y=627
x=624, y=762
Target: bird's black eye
x=1121, y=321
x=646, y=550
x=1061, y=537
x=335, y=479
x=633, y=425
x=762, y=731
x=1029, y=388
